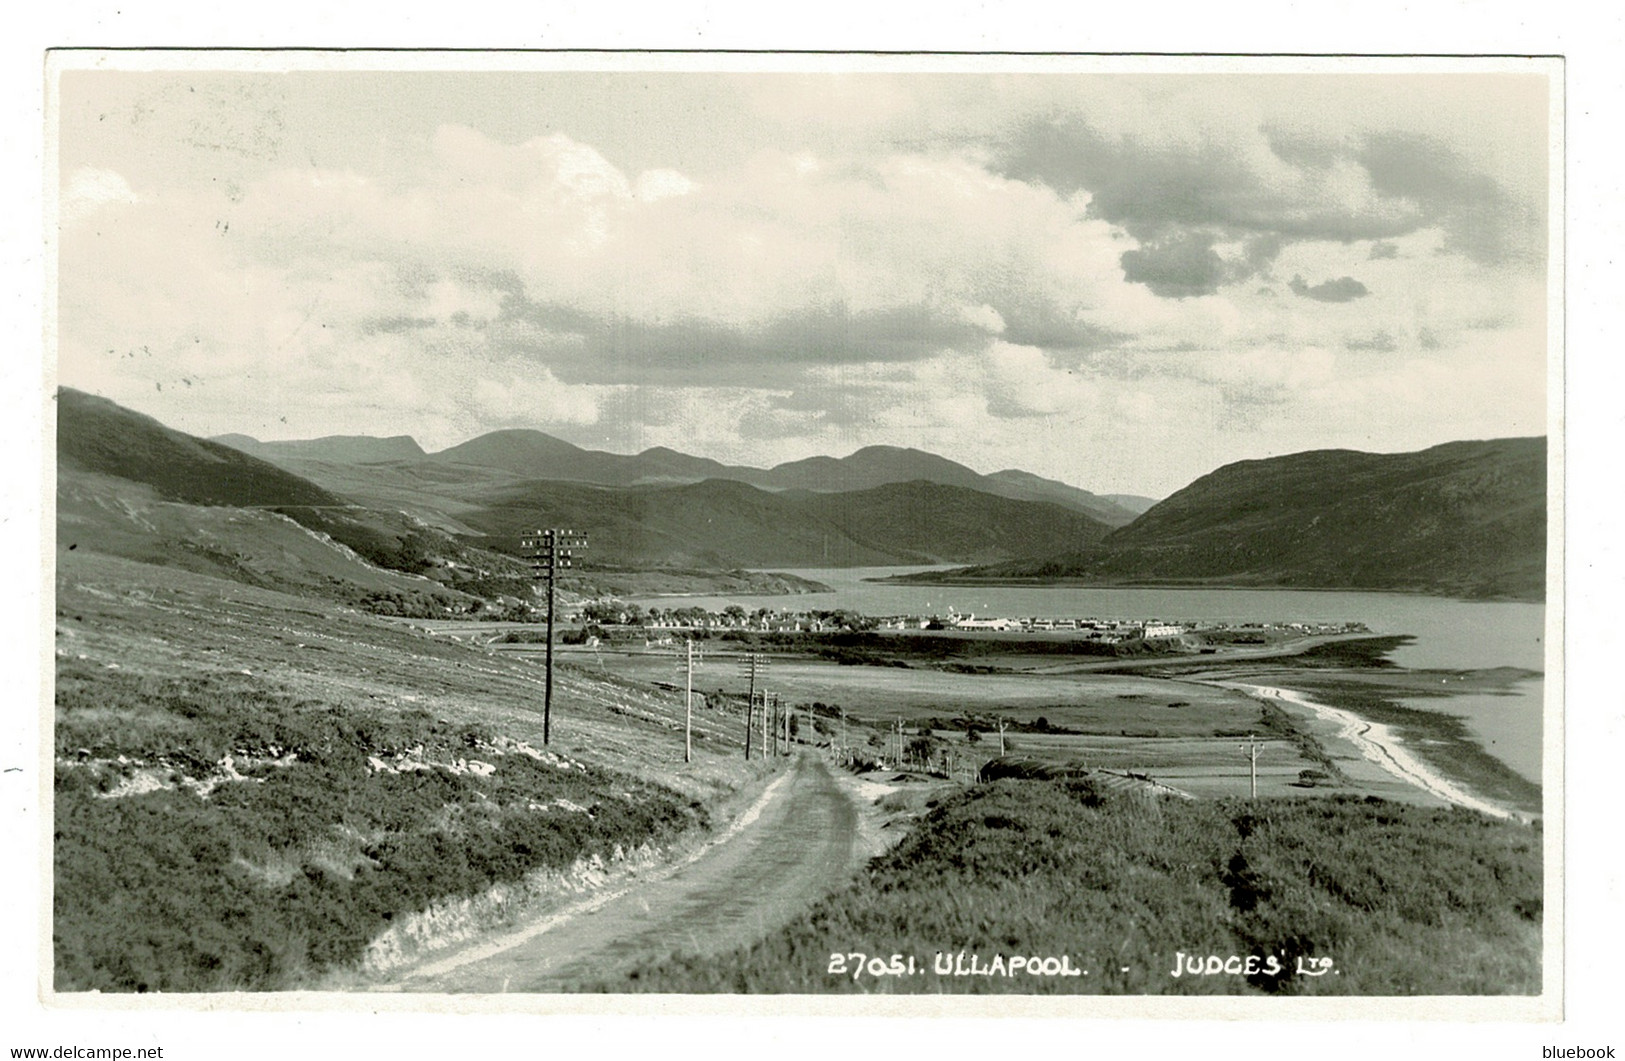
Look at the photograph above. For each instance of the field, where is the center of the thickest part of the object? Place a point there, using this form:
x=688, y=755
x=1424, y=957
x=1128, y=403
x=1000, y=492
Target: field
x=1183, y=732
x=1325, y=896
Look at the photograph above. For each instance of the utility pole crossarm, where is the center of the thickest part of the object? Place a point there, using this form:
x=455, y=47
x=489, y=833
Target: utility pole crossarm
x=549, y=550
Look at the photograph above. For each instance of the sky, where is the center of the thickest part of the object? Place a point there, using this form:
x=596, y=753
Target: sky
x=1119, y=279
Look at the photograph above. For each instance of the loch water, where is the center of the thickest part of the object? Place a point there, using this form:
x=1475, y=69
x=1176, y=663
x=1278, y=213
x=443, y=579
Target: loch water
x=1446, y=634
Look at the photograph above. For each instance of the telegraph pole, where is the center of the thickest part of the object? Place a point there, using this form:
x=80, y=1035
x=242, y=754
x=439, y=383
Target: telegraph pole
x=1001, y=734
x=550, y=550
x=685, y=660
x=1252, y=760
x=748, y=666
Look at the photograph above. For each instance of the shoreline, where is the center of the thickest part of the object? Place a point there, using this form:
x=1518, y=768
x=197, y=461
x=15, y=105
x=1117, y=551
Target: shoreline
x=1016, y=582
x=1379, y=745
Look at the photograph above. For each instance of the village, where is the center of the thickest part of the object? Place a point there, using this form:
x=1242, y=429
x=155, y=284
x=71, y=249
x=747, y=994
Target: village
x=662, y=624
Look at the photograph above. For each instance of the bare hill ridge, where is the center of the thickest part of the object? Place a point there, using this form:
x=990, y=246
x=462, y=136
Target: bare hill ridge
x=350, y=449
x=99, y=436
x=1463, y=518
x=526, y=453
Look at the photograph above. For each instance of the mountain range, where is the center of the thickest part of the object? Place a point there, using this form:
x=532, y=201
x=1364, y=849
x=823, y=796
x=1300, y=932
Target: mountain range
x=349, y=449
x=530, y=454
x=402, y=514
x=1464, y=518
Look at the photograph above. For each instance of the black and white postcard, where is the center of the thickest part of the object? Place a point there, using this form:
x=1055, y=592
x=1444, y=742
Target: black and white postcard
x=812, y=533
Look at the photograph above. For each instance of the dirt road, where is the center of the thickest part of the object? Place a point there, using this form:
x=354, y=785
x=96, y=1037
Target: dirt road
x=802, y=843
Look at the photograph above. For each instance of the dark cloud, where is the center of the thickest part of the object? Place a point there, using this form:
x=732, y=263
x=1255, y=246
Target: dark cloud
x=1150, y=188
x=586, y=347
x=1184, y=263
x=582, y=346
x=1181, y=266
x=1299, y=149
x=1034, y=320
x=1343, y=289
x=1480, y=218
x=1179, y=201
x=1383, y=249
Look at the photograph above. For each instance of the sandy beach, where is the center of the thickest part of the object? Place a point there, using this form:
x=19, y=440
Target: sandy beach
x=1378, y=745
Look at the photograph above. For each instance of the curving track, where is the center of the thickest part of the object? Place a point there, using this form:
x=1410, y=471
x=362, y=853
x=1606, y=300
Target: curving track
x=798, y=843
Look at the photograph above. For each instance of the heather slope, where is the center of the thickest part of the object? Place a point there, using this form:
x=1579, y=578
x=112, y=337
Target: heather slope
x=1463, y=518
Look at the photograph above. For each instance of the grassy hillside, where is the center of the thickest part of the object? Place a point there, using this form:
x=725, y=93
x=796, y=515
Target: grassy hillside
x=129, y=486
x=1465, y=518
x=98, y=436
x=709, y=524
x=949, y=522
x=251, y=786
x=720, y=523
x=1382, y=899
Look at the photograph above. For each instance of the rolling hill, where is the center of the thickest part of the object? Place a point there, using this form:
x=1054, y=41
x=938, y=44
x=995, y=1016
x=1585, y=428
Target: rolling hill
x=98, y=436
x=128, y=486
x=133, y=487
x=724, y=523
x=347, y=449
x=874, y=466
x=1463, y=518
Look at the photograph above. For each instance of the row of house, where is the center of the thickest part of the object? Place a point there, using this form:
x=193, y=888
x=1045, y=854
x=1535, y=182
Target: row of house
x=1110, y=630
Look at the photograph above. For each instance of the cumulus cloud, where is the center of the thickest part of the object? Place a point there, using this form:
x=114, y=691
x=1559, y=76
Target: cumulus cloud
x=1481, y=219
x=1179, y=266
x=1343, y=289
x=1021, y=268
x=1179, y=191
